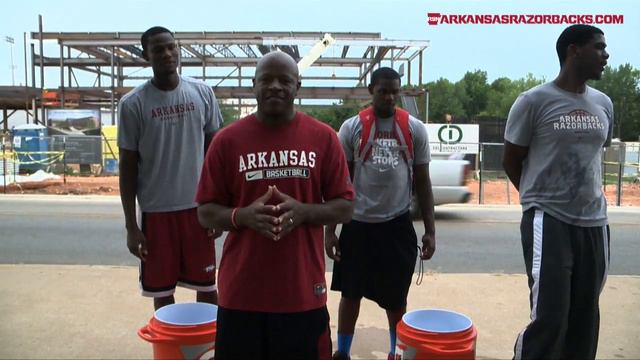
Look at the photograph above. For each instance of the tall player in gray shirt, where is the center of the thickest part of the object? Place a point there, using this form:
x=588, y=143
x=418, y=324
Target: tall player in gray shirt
x=553, y=152
x=165, y=127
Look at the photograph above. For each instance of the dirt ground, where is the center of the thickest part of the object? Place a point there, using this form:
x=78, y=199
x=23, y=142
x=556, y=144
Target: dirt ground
x=494, y=192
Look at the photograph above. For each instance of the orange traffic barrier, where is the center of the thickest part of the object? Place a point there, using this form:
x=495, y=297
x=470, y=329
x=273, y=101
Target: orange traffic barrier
x=182, y=331
x=435, y=334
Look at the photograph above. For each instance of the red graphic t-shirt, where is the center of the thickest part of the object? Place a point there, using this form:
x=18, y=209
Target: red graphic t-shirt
x=304, y=159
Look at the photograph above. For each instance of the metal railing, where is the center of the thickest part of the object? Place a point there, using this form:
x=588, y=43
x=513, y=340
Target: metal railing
x=619, y=168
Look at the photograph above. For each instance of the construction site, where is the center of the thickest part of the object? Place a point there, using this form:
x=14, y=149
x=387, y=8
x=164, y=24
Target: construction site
x=94, y=70
x=67, y=114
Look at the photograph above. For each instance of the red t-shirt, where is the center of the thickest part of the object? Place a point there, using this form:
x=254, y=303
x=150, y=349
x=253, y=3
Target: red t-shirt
x=305, y=160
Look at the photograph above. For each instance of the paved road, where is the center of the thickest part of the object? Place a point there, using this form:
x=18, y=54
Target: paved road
x=90, y=230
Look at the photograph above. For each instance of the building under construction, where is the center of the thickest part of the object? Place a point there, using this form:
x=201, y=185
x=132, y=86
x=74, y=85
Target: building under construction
x=94, y=70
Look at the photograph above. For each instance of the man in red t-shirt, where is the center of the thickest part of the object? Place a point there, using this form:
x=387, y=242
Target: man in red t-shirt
x=273, y=179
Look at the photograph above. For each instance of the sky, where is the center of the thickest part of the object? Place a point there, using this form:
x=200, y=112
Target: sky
x=509, y=50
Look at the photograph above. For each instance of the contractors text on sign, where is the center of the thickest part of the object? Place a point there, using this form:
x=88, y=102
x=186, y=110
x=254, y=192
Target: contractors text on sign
x=453, y=138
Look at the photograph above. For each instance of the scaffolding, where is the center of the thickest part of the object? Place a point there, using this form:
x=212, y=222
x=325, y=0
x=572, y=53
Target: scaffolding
x=97, y=69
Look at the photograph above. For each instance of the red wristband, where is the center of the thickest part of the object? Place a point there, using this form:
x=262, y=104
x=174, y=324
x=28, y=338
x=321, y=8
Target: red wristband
x=233, y=218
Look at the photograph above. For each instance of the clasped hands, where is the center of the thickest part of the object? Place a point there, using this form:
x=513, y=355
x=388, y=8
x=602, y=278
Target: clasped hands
x=272, y=221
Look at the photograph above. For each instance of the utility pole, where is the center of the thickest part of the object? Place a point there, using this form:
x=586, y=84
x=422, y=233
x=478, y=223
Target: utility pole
x=426, y=106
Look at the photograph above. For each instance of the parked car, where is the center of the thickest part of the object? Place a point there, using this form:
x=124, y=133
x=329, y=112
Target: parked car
x=448, y=181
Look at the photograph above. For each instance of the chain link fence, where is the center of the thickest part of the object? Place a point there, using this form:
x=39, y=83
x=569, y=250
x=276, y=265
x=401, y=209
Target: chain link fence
x=53, y=158
x=620, y=169
x=34, y=159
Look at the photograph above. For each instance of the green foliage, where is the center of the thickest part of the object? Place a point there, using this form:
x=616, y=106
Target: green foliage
x=472, y=96
x=230, y=114
x=476, y=92
x=499, y=98
x=503, y=92
x=524, y=84
x=444, y=98
x=336, y=114
x=622, y=85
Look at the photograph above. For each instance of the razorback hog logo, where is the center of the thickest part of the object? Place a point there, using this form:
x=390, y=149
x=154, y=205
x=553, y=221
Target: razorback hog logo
x=433, y=18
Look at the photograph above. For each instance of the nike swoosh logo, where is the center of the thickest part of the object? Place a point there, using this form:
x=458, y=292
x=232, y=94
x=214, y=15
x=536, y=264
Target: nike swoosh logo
x=254, y=174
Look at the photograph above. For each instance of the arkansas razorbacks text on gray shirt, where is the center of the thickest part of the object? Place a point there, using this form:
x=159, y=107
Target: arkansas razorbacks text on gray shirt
x=565, y=133
x=383, y=187
x=167, y=129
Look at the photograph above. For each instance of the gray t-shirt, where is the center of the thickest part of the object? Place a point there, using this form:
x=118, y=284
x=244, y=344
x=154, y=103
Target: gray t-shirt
x=565, y=133
x=383, y=187
x=167, y=129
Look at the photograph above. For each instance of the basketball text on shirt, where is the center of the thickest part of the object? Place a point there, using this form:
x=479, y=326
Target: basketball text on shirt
x=277, y=164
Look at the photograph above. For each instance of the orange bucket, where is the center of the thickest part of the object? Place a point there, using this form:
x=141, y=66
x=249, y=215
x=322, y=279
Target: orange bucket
x=182, y=331
x=435, y=334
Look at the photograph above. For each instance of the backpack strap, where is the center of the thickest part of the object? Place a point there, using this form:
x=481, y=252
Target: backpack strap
x=403, y=134
x=367, y=134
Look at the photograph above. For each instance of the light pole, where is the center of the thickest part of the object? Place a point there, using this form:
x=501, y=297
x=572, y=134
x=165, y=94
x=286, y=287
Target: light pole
x=426, y=106
x=11, y=41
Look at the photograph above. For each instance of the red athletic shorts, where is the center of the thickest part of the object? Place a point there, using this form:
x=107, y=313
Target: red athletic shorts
x=180, y=252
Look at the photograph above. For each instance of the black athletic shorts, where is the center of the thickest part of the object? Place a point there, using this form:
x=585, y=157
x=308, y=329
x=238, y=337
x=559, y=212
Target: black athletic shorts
x=377, y=261
x=273, y=336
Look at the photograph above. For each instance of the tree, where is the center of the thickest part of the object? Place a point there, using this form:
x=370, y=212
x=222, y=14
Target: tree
x=503, y=92
x=230, y=114
x=473, y=96
x=622, y=85
x=444, y=98
x=526, y=83
x=476, y=92
x=498, y=103
x=336, y=114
